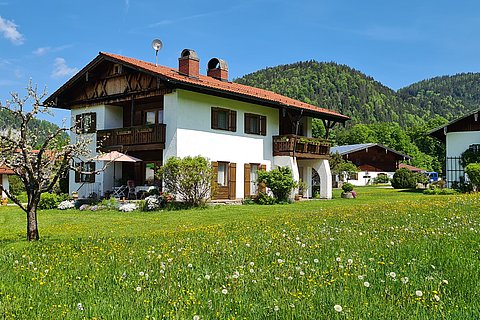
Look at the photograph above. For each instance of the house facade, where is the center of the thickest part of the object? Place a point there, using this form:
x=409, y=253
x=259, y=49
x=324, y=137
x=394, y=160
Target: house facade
x=459, y=135
x=154, y=112
x=372, y=159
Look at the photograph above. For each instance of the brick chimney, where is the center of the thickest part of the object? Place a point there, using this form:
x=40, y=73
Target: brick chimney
x=189, y=63
x=218, y=69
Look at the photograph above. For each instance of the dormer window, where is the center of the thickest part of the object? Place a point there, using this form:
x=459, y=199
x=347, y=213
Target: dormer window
x=117, y=69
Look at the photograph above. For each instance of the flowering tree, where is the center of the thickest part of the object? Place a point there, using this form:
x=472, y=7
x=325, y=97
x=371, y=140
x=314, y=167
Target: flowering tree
x=38, y=163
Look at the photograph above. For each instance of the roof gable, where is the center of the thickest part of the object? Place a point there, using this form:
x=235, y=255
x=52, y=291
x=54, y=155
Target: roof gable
x=469, y=122
x=352, y=148
x=165, y=77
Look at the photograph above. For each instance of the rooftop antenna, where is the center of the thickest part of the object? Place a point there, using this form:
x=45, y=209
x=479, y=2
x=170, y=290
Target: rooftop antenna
x=157, y=45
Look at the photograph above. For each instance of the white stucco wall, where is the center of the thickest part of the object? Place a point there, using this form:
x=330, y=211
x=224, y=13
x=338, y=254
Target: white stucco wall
x=188, y=118
x=108, y=117
x=361, y=181
x=458, y=142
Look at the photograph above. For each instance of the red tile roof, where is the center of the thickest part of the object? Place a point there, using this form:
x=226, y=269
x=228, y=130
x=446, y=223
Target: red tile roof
x=5, y=170
x=227, y=87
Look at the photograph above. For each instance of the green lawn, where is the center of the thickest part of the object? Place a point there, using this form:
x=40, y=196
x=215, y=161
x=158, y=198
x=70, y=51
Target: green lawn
x=386, y=255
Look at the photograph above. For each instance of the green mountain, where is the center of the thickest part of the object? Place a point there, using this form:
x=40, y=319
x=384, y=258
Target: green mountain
x=42, y=128
x=365, y=100
x=337, y=87
x=447, y=96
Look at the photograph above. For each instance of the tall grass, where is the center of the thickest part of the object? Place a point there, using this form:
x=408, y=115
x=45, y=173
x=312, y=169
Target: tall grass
x=385, y=255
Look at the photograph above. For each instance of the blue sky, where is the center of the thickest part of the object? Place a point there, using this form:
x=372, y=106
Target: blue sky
x=395, y=42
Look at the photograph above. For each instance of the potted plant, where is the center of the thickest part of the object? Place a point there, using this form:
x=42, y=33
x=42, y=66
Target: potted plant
x=348, y=192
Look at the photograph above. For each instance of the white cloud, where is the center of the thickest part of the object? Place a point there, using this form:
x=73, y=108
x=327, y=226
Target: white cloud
x=60, y=69
x=10, y=32
x=44, y=50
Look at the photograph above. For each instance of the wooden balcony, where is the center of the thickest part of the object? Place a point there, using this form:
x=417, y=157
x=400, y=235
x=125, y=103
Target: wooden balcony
x=301, y=147
x=133, y=138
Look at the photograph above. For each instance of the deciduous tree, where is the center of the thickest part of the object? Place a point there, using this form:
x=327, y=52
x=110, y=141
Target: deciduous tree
x=38, y=164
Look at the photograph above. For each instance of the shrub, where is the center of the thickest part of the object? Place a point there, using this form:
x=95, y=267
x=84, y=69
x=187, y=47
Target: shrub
x=280, y=181
x=347, y=187
x=264, y=199
x=151, y=203
x=473, y=172
x=404, y=179
x=16, y=185
x=382, y=178
x=189, y=178
x=462, y=186
x=48, y=201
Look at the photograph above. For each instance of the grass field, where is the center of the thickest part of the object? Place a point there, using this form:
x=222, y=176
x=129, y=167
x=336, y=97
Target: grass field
x=386, y=255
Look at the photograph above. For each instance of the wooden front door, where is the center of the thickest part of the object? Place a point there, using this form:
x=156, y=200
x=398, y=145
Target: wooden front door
x=224, y=180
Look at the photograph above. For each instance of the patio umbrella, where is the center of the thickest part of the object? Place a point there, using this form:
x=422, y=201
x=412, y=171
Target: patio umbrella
x=115, y=156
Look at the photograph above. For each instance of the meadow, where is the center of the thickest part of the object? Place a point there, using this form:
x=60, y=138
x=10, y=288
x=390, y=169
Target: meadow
x=388, y=254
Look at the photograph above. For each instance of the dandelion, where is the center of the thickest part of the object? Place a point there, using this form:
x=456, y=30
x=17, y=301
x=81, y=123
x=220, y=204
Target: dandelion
x=141, y=273
x=224, y=291
x=138, y=289
x=207, y=277
x=80, y=306
x=436, y=297
x=276, y=308
x=315, y=260
x=338, y=259
x=248, y=245
x=445, y=282
x=277, y=254
x=404, y=280
x=418, y=293
x=338, y=308
x=366, y=284
x=252, y=263
x=196, y=317
x=280, y=261
x=360, y=277
x=392, y=274
x=349, y=261
x=190, y=265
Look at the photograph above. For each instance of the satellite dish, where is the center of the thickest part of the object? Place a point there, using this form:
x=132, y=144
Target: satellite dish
x=157, y=45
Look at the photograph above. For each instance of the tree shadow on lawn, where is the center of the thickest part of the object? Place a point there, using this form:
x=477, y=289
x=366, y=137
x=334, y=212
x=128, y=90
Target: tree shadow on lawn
x=412, y=190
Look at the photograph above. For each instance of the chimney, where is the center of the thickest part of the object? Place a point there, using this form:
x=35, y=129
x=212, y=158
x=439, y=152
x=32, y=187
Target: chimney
x=189, y=63
x=218, y=69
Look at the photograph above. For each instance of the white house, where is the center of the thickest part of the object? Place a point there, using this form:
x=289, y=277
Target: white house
x=459, y=135
x=372, y=160
x=4, y=173
x=154, y=112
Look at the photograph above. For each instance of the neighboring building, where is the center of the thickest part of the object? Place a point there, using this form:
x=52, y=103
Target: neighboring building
x=373, y=159
x=4, y=173
x=155, y=112
x=458, y=135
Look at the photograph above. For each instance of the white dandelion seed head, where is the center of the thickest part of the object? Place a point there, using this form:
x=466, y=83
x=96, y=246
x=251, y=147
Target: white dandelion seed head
x=138, y=289
x=419, y=293
x=436, y=297
x=360, y=277
x=315, y=260
x=392, y=274
x=141, y=273
x=338, y=259
x=349, y=261
x=196, y=317
x=80, y=306
x=338, y=308
x=366, y=284
x=207, y=277
x=445, y=281
x=224, y=291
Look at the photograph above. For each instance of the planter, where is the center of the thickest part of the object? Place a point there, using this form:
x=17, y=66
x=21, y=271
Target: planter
x=4, y=201
x=348, y=195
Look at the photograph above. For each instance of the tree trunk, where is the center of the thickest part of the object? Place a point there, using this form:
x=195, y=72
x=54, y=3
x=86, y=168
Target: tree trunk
x=32, y=228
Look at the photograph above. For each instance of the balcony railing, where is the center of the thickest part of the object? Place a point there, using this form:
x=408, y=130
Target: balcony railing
x=129, y=136
x=301, y=147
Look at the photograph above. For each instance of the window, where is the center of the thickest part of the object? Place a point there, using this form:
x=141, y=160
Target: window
x=222, y=175
x=82, y=172
x=224, y=119
x=86, y=122
x=255, y=124
x=150, y=169
x=153, y=116
x=353, y=176
x=253, y=178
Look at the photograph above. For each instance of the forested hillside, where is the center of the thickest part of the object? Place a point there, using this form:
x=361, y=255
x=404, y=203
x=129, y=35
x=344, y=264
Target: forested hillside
x=447, y=96
x=379, y=114
x=42, y=128
x=365, y=100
